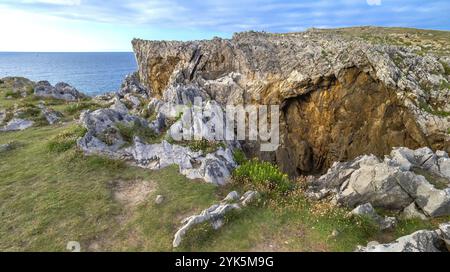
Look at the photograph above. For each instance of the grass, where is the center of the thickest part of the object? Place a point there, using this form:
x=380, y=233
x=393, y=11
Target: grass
x=129, y=131
x=50, y=194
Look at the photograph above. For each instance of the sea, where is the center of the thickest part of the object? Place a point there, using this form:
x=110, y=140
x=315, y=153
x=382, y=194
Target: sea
x=90, y=73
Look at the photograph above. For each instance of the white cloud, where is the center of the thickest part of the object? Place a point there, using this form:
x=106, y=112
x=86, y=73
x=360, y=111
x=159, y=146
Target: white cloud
x=374, y=2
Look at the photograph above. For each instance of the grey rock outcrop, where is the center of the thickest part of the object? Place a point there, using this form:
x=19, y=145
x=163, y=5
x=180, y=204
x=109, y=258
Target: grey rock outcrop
x=214, y=214
x=17, y=124
x=61, y=91
x=385, y=223
x=386, y=184
x=19, y=86
x=420, y=241
x=104, y=137
x=50, y=115
x=132, y=85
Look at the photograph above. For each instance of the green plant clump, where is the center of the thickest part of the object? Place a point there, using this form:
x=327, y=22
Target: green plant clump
x=263, y=176
x=66, y=139
x=239, y=156
x=129, y=131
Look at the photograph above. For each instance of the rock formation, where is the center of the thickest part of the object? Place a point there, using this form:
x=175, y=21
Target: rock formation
x=215, y=213
x=60, y=91
x=341, y=97
x=390, y=183
x=420, y=241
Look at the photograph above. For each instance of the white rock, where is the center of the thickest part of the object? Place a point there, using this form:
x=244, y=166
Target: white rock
x=17, y=124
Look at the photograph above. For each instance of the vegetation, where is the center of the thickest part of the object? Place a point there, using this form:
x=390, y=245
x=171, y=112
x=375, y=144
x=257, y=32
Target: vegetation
x=262, y=176
x=67, y=139
x=129, y=131
x=239, y=156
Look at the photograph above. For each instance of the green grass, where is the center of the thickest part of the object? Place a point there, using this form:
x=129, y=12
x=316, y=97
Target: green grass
x=50, y=193
x=239, y=156
x=129, y=131
x=262, y=176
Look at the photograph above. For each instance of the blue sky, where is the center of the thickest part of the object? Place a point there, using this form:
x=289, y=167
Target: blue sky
x=99, y=25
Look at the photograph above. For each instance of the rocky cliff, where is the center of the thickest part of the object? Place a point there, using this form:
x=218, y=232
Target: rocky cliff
x=343, y=93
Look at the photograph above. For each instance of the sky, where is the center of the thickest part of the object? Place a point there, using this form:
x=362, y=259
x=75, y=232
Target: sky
x=110, y=25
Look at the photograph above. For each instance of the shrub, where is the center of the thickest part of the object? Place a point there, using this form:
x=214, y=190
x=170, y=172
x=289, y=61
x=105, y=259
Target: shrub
x=74, y=108
x=66, y=139
x=12, y=94
x=239, y=156
x=205, y=146
x=128, y=131
x=262, y=176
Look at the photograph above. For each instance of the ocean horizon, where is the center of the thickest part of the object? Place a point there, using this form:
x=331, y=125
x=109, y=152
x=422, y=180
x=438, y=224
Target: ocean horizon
x=92, y=73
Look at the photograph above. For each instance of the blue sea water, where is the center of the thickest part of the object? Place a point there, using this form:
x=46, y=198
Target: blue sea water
x=91, y=73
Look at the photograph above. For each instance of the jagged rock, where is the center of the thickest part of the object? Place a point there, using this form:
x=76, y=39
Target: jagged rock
x=159, y=199
x=50, y=115
x=103, y=136
x=119, y=106
x=213, y=168
x=61, y=91
x=362, y=81
x=419, y=241
x=17, y=124
x=249, y=197
x=231, y=197
x=386, y=184
x=131, y=85
x=412, y=212
x=384, y=223
x=213, y=214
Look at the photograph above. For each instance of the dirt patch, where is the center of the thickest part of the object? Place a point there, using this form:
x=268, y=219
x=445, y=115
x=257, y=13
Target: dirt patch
x=129, y=193
x=132, y=193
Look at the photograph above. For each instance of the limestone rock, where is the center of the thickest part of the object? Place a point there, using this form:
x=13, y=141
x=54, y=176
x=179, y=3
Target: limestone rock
x=329, y=86
x=213, y=214
x=132, y=85
x=50, y=115
x=419, y=241
x=412, y=212
x=17, y=124
x=387, y=184
x=18, y=85
x=367, y=210
x=61, y=90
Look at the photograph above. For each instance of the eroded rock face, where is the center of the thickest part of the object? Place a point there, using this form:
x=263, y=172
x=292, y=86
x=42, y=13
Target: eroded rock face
x=384, y=183
x=341, y=97
x=60, y=91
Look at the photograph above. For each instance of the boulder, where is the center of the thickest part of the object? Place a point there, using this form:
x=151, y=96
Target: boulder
x=419, y=241
x=388, y=183
x=17, y=124
x=384, y=223
x=159, y=200
x=412, y=212
x=61, y=91
x=50, y=115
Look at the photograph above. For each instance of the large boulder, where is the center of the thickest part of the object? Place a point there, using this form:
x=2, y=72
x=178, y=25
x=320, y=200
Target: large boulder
x=16, y=124
x=61, y=91
x=384, y=183
x=420, y=241
x=19, y=86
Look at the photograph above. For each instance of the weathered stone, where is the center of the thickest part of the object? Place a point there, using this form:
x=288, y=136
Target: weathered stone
x=17, y=124
x=386, y=184
x=412, y=212
x=213, y=214
x=18, y=85
x=329, y=86
x=420, y=241
x=61, y=90
x=384, y=223
x=50, y=115
x=131, y=85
